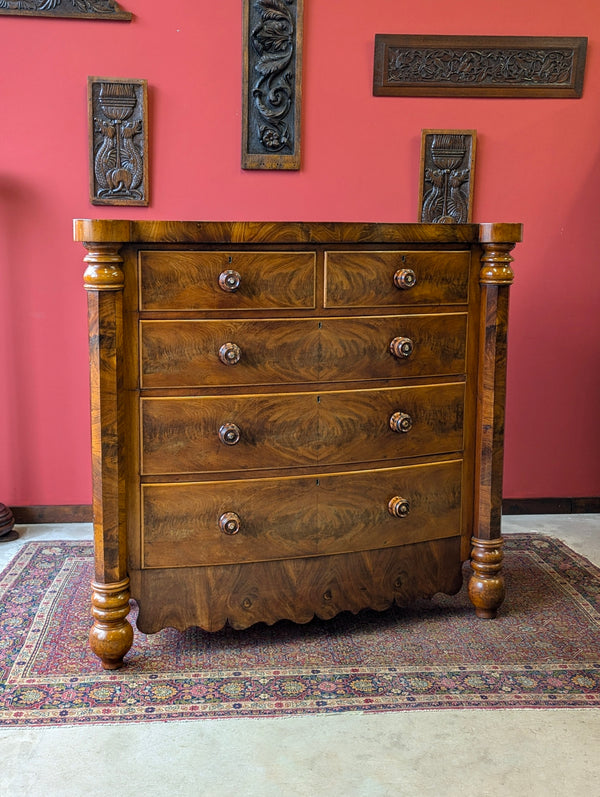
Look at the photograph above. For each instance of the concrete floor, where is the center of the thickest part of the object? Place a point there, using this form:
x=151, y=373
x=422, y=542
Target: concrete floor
x=550, y=753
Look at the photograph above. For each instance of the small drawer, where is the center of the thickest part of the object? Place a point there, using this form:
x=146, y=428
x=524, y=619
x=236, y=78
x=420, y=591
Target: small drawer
x=392, y=278
x=227, y=280
x=289, y=430
x=210, y=523
x=257, y=352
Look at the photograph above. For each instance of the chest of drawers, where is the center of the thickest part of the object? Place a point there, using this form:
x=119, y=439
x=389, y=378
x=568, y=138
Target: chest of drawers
x=291, y=420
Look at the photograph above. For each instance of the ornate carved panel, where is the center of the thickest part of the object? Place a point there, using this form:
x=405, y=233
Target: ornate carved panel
x=82, y=9
x=118, y=141
x=480, y=66
x=272, y=84
x=447, y=172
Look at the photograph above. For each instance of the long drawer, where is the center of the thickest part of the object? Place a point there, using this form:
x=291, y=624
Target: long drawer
x=263, y=352
x=265, y=431
x=393, y=278
x=226, y=280
x=231, y=522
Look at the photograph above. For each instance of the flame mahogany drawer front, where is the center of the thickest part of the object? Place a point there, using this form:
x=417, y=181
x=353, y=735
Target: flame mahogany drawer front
x=229, y=280
x=275, y=430
x=265, y=352
x=292, y=419
x=391, y=279
x=218, y=523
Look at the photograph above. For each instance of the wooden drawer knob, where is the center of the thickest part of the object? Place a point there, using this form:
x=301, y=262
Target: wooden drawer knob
x=401, y=422
x=229, y=434
x=230, y=353
x=398, y=507
x=230, y=523
x=401, y=347
x=230, y=280
x=405, y=278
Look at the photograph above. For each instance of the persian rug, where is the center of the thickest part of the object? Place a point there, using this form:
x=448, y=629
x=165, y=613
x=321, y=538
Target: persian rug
x=543, y=650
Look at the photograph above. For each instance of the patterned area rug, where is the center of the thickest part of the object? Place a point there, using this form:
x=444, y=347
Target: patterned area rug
x=542, y=651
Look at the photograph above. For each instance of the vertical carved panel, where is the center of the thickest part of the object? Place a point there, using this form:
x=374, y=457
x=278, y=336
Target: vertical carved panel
x=447, y=171
x=118, y=133
x=272, y=84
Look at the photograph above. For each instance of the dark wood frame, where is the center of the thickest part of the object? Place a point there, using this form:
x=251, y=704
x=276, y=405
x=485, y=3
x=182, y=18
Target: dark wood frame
x=436, y=52
x=255, y=155
x=65, y=10
x=140, y=114
x=467, y=164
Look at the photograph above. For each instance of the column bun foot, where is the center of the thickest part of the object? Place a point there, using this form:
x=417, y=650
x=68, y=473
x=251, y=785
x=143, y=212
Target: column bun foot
x=486, y=585
x=111, y=636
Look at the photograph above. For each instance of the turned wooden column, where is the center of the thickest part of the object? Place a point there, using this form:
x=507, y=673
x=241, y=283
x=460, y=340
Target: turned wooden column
x=111, y=635
x=486, y=585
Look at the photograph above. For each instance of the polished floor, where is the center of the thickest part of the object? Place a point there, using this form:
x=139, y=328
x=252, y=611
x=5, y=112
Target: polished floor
x=517, y=753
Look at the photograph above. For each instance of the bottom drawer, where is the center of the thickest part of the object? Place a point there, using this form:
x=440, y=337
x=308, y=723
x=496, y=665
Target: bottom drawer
x=230, y=522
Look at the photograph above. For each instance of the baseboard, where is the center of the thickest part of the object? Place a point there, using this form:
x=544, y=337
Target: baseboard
x=550, y=506
x=82, y=513
x=67, y=513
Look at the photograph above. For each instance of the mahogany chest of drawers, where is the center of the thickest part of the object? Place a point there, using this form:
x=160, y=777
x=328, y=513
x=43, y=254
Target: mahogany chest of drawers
x=291, y=420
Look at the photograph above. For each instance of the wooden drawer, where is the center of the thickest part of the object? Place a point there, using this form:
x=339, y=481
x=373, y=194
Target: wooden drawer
x=186, y=353
x=292, y=517
x=230, y=433
x=209, y=280
x=392, y=278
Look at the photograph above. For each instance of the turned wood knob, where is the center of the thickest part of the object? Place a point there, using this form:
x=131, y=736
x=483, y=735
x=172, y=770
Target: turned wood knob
x=401, y=347
x=230, y=353
x=401, y=422
x=398, y=507
x=230, y=280
x=405, y=278
x=230, y=523
x=229, y=434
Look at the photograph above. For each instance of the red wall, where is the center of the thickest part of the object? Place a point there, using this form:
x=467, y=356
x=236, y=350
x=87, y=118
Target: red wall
x=538, y=162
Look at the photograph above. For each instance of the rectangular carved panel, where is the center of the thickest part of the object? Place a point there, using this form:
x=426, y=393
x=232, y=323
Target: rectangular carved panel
x=272, y=84
x=479, y=66
x=78, y=9
x=118, y=141
x=447, y=174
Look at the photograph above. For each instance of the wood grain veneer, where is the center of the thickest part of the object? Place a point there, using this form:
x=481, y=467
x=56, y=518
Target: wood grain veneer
x=292, y=419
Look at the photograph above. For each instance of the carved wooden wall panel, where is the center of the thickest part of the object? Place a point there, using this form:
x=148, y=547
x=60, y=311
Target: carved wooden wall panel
x=272, y=84
x=118, y=133
x=82, y=9
x=447, y=173
x=480, y=66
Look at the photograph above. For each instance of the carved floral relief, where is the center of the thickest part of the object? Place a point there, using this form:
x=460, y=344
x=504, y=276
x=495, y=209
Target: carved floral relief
x=480, y=66
x=272, y=79
x=85, y=9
